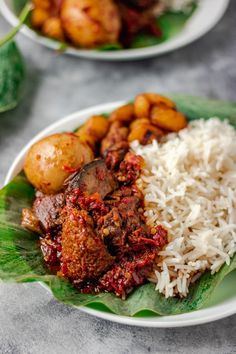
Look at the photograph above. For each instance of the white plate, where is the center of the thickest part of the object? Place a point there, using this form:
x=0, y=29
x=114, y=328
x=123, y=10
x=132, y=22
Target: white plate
x=207, y=15
x=224, y=303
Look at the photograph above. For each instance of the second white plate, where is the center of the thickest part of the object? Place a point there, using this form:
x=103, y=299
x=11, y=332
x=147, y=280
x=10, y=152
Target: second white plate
x=207, y=15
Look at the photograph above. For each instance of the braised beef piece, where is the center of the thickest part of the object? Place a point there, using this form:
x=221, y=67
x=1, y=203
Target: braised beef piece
x=47, y=209
x=115, y=145
x=130, y=168
x=129, y=272
x=140, y=4
x=93, y=204
x=122, y=219
x=84, y=255
x=124, y=227
x=138, y=19
x=94, y=177
x=51, y=249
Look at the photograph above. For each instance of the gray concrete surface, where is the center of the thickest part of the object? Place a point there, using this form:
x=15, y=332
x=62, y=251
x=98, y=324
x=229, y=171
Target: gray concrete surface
x=31, y=321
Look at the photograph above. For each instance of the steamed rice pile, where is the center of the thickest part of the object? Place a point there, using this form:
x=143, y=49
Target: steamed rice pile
x=189, y=184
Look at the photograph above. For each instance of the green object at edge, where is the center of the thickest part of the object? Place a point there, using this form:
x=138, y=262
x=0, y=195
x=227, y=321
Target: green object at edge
x=12, y=74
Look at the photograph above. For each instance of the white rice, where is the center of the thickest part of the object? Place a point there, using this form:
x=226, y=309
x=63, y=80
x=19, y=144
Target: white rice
x=189, y=184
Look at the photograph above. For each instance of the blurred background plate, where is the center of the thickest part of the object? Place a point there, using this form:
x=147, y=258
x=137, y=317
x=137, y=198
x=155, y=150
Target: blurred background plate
x=204, y=18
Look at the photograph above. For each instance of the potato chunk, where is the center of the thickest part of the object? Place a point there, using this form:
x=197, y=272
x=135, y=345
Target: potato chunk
x=168, y=119
x=141, y=106
x=51, y=160
x=145, y=133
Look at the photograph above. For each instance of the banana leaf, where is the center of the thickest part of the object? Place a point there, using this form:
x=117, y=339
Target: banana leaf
x=21, y=259
x=12, y=75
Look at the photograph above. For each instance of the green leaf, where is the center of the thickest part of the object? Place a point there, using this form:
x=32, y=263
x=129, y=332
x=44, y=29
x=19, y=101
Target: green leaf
x=197, y=107
x=12, y=74
x=21, y=259
x=19, y=5
x=22, y=19
x=170, y=24
x=110, y=47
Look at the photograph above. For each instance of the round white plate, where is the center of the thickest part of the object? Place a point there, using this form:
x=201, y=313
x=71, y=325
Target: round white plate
x=223, y=303
x=208, y=13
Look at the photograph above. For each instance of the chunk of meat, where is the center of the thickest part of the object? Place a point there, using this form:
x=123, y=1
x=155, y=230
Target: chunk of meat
x=115, y=145
x=130, y=168
x=51, y=249
x=124, y=227
x=47, y=209
x=135, y=20
x=116, y=134
x=115, y=154
x=141, y=4
x=84, y=255
x=93, y=178
x=30, y=221
x=129, y=272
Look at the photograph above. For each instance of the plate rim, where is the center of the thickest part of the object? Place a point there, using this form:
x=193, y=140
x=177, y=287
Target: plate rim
x=155, y=321
x=129, y=54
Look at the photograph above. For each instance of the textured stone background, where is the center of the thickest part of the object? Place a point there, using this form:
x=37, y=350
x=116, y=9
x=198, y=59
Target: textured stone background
x=30, y=320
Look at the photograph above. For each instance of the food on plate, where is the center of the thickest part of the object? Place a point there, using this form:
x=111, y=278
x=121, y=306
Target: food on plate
x=89, y=23
x=189, y=184
x=151, y=200
x=93, y=24
x=51, y=160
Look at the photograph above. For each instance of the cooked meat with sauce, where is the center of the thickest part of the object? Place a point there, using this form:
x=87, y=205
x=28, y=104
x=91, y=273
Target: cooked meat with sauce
x=94, y=177
x=84, y=255
x=47, y=209
x=94, y=231
x=91, y=23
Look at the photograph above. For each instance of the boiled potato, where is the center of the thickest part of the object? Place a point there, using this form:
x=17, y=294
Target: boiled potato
x=52, y=28
x=51, y=160
x=90, y=23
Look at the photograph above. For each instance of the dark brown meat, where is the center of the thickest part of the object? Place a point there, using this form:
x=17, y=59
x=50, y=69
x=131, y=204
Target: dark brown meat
x=115, y=145
x=116, y=134
x=140, y=4
x=137, y=19
x=51, y=249
x=93, y=178
x=124, y=228
x=47, y=209
x=130, y=168
x=127, y=273
x=84, y=255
